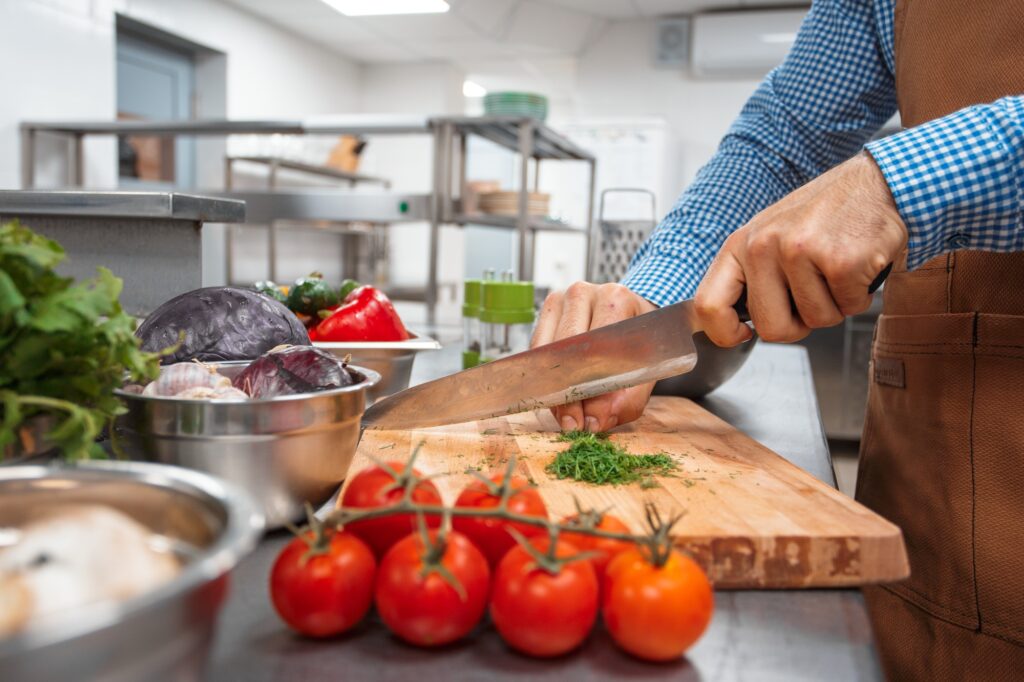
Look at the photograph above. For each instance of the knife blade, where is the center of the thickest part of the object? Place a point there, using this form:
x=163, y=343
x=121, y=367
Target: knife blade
x=652, y=346
x=649, y=347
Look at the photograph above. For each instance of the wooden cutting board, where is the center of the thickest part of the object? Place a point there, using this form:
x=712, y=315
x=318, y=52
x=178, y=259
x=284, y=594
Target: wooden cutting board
x=752, y=518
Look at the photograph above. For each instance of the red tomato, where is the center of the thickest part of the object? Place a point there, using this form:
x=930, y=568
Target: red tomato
x=490, y=534
x=539, y=613
x=324, y=594
x=378, y=487
x=656, y=613
x=603, y=548
x=418, y=604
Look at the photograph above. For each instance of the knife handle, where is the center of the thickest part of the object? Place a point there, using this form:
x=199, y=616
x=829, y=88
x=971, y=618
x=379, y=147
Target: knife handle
x=740, y=306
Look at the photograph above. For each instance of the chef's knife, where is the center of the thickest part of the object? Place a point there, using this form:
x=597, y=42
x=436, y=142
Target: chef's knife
x=649, y=347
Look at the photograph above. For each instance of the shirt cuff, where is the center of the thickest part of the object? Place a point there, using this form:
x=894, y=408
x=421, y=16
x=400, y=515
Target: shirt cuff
x=665, y=278
x=955, y=183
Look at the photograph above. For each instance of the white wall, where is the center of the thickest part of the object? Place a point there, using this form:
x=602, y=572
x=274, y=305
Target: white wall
x=617, y=77
x=412, y=89
x=57, y=60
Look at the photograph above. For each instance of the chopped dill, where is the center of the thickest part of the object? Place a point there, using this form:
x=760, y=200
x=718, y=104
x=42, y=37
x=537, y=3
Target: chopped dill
x=592, y=458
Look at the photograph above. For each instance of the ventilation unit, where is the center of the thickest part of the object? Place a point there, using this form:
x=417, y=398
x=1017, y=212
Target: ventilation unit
x=742, y=44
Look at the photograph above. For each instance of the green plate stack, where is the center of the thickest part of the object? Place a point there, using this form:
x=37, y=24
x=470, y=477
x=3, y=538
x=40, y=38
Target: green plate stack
x=519, y=104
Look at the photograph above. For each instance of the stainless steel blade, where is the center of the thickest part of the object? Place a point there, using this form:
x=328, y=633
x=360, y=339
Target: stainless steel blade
x=646, y=348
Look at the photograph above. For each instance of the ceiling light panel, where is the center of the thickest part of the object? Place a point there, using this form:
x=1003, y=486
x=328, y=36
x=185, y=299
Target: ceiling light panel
x=366, y=8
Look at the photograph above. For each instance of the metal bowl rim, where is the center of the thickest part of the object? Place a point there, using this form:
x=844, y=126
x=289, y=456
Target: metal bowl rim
x=370, y=379
x=242, y=530
x=414, y=344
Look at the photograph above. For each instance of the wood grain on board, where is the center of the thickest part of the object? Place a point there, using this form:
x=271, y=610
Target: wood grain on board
x=752, y=519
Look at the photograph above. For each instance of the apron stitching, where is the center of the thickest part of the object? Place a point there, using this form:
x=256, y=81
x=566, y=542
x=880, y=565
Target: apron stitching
x=930, y=344
x=970, y=440
x=946, y=614
x=923, y=602
x=921, y=352
x=950, y=265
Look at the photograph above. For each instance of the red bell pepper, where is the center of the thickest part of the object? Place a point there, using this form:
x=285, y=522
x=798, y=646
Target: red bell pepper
x=365, y=315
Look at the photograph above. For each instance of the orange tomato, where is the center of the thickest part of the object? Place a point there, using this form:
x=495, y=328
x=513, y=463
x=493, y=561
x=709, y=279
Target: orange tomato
x=656, y=613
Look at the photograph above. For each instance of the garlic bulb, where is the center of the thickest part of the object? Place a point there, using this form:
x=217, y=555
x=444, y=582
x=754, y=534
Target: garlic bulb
x=207, y=393
x=185, y=375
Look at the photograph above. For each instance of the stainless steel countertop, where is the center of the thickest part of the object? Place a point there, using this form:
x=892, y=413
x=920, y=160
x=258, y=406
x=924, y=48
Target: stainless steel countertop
x=755, y=635
x=117, y=204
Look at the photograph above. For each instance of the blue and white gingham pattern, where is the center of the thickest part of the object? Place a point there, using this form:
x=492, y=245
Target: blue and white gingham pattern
x=957, y=180
x=833, y=91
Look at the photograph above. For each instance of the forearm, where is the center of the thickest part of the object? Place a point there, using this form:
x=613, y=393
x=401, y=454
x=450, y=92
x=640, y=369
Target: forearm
x=958, y=181
x=816, y=110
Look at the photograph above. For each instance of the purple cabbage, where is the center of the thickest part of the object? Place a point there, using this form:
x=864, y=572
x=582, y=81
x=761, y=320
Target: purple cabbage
x=296, y=369
x=219, y=324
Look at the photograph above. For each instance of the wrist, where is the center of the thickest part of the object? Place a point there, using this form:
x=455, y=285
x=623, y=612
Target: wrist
x=881, y=196
x=955, y=183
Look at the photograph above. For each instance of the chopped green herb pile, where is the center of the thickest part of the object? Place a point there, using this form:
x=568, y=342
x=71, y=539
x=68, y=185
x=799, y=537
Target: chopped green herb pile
x=592, y=458
x=64, y=347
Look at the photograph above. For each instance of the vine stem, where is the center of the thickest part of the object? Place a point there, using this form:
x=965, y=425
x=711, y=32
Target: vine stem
x=344, y=515
x=657, y=539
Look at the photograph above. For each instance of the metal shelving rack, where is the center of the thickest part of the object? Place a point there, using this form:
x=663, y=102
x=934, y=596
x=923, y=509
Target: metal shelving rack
x=529, y=138
x=354, y=235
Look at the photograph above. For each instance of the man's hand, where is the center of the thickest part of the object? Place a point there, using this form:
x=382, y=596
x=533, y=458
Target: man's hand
x=825, y=243
x=581, y=308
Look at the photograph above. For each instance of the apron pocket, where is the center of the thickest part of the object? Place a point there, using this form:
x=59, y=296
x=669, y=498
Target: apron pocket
x=916, y=459
x=999, y=474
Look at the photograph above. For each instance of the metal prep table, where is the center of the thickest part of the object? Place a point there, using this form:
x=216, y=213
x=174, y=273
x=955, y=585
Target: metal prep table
x=151, y=240
x=755, y=635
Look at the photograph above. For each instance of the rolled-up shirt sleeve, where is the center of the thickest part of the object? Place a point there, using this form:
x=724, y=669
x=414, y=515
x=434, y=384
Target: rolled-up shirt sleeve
x=832, y=92
x=958, y=181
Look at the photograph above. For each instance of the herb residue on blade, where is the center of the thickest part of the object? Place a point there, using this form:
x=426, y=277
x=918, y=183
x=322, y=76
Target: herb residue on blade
x=592, y=458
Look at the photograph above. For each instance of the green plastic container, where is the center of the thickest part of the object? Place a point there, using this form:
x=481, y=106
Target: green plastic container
x=472, y=331
x=507, y=315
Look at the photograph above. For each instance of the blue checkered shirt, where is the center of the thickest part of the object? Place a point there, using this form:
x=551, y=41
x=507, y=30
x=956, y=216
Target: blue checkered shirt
x=958, y=181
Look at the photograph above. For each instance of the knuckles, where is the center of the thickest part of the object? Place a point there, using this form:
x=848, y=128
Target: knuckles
x=578, y=290
x=614, y=295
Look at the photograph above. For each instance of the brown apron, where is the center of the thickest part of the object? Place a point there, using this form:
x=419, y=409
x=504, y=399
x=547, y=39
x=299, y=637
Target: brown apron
x=943, y=449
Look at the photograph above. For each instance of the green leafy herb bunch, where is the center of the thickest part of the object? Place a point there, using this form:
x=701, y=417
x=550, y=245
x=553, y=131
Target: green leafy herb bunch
x=64, y=346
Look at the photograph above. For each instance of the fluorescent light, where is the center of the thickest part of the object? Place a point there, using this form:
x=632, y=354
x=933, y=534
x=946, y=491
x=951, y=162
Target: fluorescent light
x=363, y=8
x=784, y=38
x=471, y=89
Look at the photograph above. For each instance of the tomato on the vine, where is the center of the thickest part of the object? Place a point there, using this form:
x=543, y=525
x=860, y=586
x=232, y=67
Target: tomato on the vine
x=323, y=591
x=656, y=612
x=432, y=593
x=384, y=486
x=604, y=549
x=491, y=535
x=541, y=609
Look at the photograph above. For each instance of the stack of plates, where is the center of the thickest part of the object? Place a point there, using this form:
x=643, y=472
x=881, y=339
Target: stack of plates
x=507, y=203
x=516, y=104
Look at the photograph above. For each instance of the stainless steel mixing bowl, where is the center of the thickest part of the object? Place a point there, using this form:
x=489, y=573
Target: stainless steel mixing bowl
x=391, y=359
x=715, y=366
x=285, y=451
x=160, y=635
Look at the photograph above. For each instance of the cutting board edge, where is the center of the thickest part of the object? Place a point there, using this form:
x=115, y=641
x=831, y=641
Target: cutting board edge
x=787, y=562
